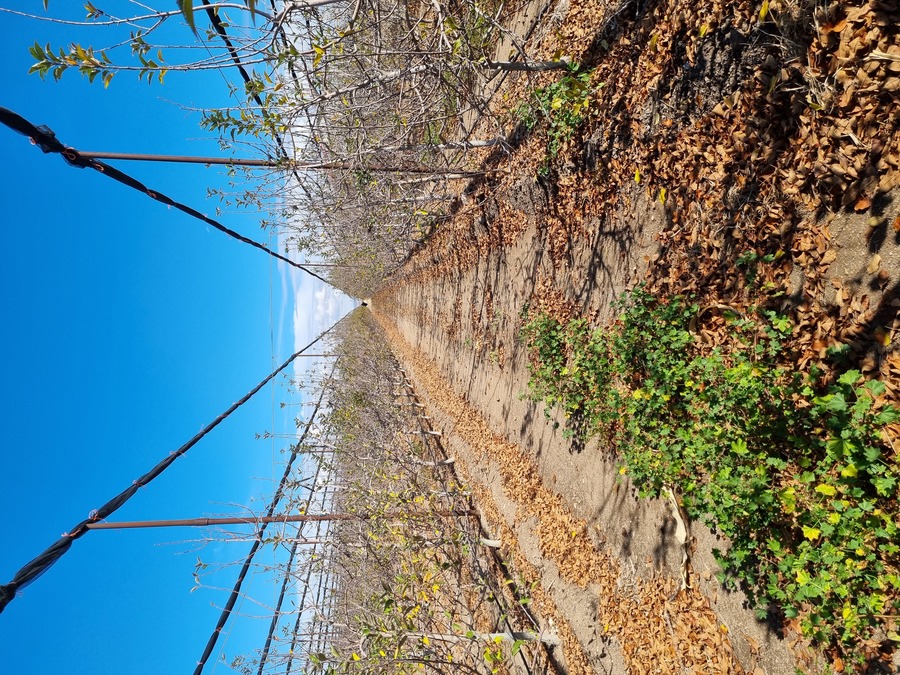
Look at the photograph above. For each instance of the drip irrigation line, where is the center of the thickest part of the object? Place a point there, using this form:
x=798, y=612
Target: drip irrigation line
x=306, y=585
x=219, y=27
x=46, y=140
x=276, y=498
x=276, y=616
x=284, y=584
x=302, y=605
x=36, y=567
x=495, y=555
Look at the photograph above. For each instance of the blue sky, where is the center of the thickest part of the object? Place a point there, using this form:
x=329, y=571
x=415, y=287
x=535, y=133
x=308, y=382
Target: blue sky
x=126, y=327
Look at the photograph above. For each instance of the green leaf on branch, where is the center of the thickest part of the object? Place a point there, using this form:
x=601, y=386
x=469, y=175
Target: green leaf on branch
x=187, y=9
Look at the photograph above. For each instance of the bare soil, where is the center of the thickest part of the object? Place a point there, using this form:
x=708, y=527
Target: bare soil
x=703, y=143
x=606, y=557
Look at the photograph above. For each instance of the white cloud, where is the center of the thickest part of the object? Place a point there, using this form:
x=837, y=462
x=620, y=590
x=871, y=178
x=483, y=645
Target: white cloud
x=313, y=307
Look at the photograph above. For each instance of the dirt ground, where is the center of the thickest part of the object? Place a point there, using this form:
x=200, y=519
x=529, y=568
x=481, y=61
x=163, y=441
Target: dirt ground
x=667, y=186
x=460, y=328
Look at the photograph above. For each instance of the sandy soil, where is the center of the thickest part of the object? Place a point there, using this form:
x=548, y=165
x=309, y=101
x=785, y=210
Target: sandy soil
x=460, y=325
x=712, y=181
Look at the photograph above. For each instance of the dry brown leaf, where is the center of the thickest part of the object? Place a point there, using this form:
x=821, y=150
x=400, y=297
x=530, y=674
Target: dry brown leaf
x=834, y=28
x=862, y=204
x=753, y=644
x=874, y=264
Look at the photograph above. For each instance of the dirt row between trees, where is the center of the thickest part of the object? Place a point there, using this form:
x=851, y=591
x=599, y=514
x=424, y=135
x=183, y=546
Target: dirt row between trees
x=736, y=155
x=607, y=621
x=611, y=563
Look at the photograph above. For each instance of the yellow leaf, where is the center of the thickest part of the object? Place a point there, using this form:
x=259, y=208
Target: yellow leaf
x=764, y=11
x=834, y=518
x=425, y=640
x=704, y=29
x=662, y=195
x=811, y=533
x=827, y=490
x=849, y=471
x=355, y=656
x=637, y=175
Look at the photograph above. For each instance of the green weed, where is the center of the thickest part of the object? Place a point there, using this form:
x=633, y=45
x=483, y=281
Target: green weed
x=796, y=474
x=562, y=104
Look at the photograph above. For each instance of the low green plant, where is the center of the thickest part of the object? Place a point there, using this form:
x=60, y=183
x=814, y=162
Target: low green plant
x=562, y=104
x=795, y=472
